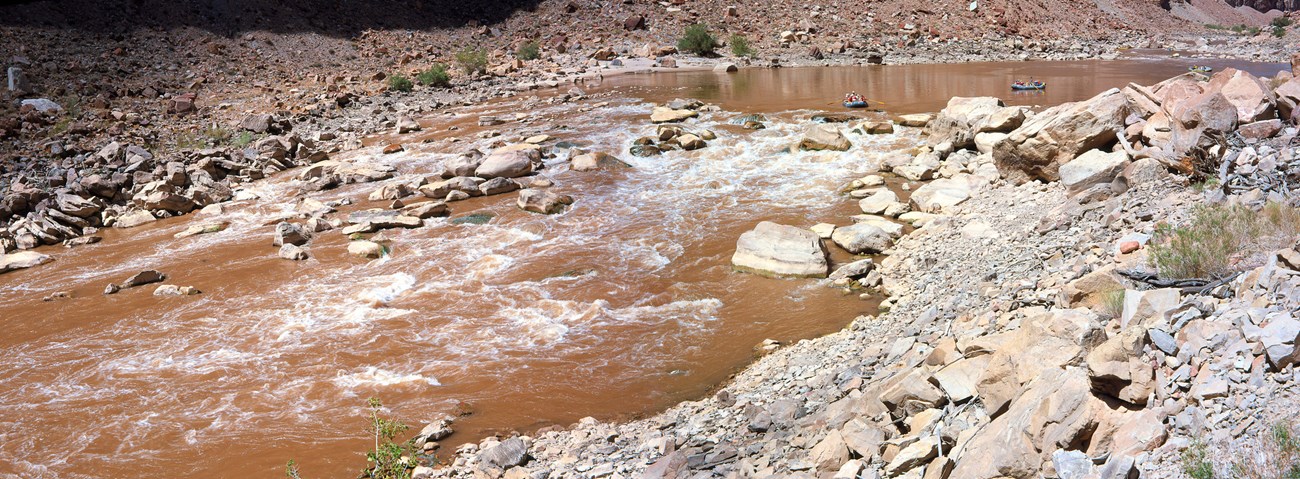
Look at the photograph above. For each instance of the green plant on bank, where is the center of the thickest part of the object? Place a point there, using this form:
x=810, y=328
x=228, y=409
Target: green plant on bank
x=435, y=76
x=697, y=39
x=1208, y=184
x=386, y=461
x=740, y=46
x=1279, y=32
x=1112, y=303
x=1281, y=22
x=1196, y=461
x=243, y=139
x=291, y=470
x=399, y=82
x=1240, y=29
x=529, y=51
x=472, y=60
x=1221, y=239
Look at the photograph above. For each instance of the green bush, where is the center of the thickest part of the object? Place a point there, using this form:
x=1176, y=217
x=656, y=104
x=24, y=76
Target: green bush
x=740, y=46
x=1196, y=461
x=472, y=60
x=1219, y=240
x=1281, y=22
x=1279, y=32
x=398, y=82
x=386, y=461
x=1112, y=303
x=435, y=76
x=529, y=51
x=696, y=39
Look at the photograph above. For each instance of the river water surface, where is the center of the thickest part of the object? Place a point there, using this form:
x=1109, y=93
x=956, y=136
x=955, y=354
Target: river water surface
x=620, y=307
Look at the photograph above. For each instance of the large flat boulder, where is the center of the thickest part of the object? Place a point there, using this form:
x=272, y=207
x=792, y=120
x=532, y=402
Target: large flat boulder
x=507, y=164
x=824, y=137
x=862, y=238
x=1037, y=149
x=1092, y=168
x=1248, y=94
x=771, y=249
x=22, y=260
x=942, y=193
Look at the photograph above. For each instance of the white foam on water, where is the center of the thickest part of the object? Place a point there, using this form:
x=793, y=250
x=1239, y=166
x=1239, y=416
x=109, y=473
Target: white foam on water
x=370, y=376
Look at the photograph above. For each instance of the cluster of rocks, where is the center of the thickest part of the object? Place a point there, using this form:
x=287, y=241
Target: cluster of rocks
x=1023, y=335
x=126, y=185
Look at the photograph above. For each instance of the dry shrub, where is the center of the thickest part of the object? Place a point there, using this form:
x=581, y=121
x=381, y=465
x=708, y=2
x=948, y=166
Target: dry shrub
x=1273, y=454
x=1220, y=240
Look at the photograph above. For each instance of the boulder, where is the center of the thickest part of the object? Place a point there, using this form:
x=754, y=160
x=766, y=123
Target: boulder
x=1038, y=148
x=407, y=125
x=496, y=186
x=854, y=270
x=771, y=249
x=134, y=218
x=1192, y=119
x=463, y=165
x=293, y=252
x=1046, y=341
x=878, y=202
x=872, y=127
x=917, y=120
x=506, y=454
x=725, y=67
x=1252, y=99
x=507, y=164
x=824, y=137
x=1054, y=411
x=942, y=193
x=1095, y=167
x=914, y=455
x=22, y=260
x=668, y=115
x=830, y=453
x=142, y=278
x=543, y=201
x=862, y=238
x=960, y=120
x=174, y=290
x=289, y=233
x=366, y=249
x=75, y=205
x=596, y=161
x=1148, y=307
x=1116, y=369
x=202, y=228
x=1281, y=339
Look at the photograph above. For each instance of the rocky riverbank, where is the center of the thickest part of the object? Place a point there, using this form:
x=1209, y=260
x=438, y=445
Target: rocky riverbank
x=1030, y=330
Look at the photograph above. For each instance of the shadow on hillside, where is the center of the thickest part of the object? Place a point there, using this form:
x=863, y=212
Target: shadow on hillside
x=340, y=18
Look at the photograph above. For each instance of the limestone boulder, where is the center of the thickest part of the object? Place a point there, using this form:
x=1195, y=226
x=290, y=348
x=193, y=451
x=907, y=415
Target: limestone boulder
x=824, y=137
x=961, y=119
x=942, y=193
x=507, y=164
x=1051, y=340
x=668, y=115
x=1281, y=339
x=596, y=161
x=1037, y=149
x=1095, y=167
x=22, y=260
x=543, y=201
x=1115, y=367
x=771, y=249
x=1249, y=95
x=862, y=238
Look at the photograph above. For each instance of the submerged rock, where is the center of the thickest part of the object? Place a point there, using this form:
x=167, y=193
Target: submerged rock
x=22, y=260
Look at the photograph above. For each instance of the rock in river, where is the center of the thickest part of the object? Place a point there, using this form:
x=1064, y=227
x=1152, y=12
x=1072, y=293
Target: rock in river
x=862, y=238
x=771, y=249
x=22, y=260
x=824, y=137
x=543, y=201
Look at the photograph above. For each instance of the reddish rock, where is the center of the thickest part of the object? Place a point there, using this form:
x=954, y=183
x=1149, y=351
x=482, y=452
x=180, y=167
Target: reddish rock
x=1129, y=247
x=393, y=148
x=634, y=22
x=183, y=103
x=1260, y=130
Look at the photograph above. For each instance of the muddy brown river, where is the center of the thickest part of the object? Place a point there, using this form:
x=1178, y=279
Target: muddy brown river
x=618, y=308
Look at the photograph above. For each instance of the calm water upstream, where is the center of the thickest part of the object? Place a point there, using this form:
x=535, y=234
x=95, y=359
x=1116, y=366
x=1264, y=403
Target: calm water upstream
x=622, y=306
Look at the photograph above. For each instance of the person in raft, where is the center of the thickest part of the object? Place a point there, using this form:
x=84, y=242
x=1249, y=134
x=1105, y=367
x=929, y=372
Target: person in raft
x=852, y=97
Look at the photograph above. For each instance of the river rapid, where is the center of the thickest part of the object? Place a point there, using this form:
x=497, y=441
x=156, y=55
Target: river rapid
x=619, y=307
